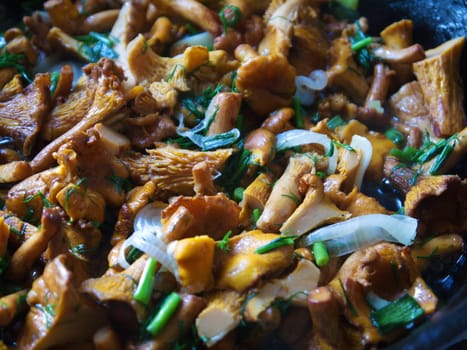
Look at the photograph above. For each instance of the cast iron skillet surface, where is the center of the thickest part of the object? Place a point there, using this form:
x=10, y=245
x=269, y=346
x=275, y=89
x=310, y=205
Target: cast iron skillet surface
x=435, y=21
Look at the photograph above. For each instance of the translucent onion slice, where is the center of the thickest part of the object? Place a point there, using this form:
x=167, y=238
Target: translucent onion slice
x=297, y=137
x=202, y=39
x=148, y=229
x=375, y=301
x=365, y=149
x=308, y=85
x=360, y=232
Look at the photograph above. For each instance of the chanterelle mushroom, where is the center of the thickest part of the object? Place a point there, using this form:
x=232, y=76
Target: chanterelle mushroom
x=439, y=76
x=22, y=115
x=267, y=82
x=444, y=198
x=59, y=313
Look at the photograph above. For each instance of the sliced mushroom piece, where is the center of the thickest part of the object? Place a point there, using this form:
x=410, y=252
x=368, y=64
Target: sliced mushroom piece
x=285, y=195
x=194, y=257
x=241, y=266
x=315, y=210
x=439, y=79
x=221, y=315
x=294, y=287
x=203, y=178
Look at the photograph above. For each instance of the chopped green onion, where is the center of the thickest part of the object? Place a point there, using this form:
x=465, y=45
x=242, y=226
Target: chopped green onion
x=146, y=282
x=440, y=159
x=344, y=146
x=256, y=214
x=224, y=243
x=397, y=314
x=229, y=16
x=359, y=45
x=335, y=121
x=238, y=194
x=299, y=123
x=395, y=136
x=166, y=311
x=276, y=243
x=320, y=252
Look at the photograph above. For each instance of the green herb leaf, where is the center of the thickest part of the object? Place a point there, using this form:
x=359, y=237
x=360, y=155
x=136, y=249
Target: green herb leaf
x=224, y=243
x=276, y=243
x=40, y=195
x=292, y=197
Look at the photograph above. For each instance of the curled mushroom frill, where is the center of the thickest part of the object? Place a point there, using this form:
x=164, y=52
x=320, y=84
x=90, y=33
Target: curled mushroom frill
x=171, y=168
x=443, y=197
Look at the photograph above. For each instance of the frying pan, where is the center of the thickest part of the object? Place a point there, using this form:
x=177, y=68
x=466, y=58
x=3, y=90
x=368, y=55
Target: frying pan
x=435, y=21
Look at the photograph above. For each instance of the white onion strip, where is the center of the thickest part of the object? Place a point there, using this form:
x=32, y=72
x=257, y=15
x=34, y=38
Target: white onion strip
x=146, y=237
x=363, y=145
x=356, y=233
x=297, y=137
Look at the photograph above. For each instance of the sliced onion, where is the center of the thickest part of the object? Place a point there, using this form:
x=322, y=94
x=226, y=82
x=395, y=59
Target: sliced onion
x=202, y=39
x=360, y=232
x=303, y=92
x=362, y=144
x=297, y=137
x=148, y=216
x=148, y=229
x=308, y=85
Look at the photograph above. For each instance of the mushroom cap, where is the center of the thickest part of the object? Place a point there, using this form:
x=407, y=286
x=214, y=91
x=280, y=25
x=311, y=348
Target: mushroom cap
x=267, y=83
